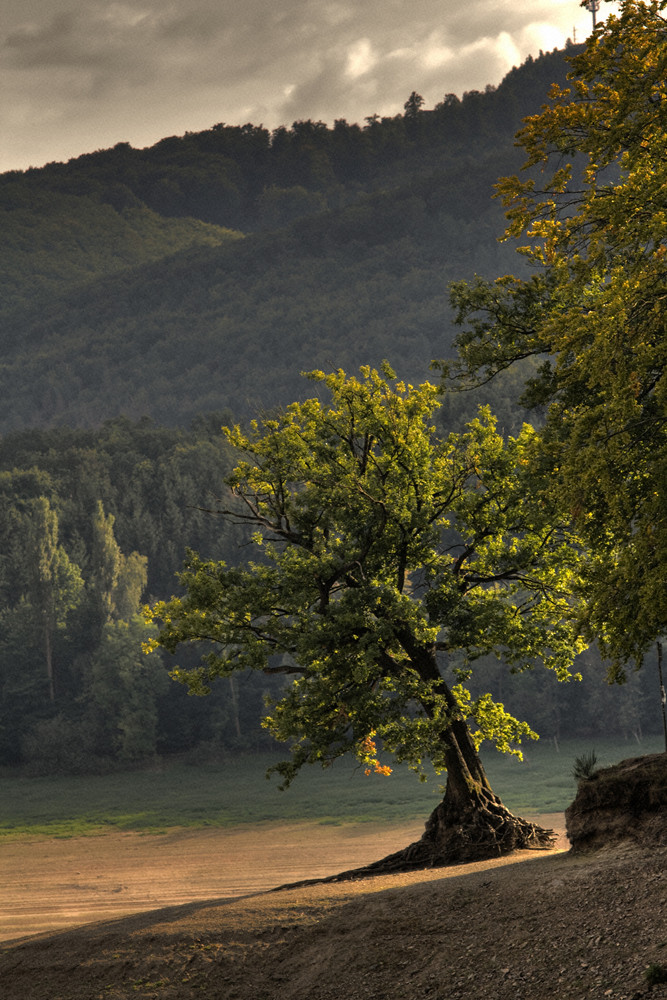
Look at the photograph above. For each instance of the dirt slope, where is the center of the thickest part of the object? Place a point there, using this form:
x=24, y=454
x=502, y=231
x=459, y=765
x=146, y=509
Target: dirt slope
x=553, y=927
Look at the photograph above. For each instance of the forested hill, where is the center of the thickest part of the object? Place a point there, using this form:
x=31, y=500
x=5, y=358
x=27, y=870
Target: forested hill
x=209, y=270
x=149, y=296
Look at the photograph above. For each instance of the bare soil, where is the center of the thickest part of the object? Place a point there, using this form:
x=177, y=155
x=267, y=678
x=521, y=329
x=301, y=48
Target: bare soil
x=48, y=885
x=544, y=925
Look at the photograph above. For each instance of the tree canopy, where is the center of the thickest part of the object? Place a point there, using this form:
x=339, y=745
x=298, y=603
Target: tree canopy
x=91, y=524
x=591, y=316
x=388, y=561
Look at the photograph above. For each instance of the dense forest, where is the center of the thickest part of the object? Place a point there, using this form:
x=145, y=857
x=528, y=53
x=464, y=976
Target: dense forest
x=92, y=524
x=149, y=296
x=207, y=271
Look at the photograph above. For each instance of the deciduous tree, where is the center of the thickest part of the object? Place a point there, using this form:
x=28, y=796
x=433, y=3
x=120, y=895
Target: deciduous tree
x=53, y=584
x=592, y=218
x=388, y=560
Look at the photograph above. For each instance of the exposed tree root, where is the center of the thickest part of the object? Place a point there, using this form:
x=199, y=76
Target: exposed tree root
x=484, y=829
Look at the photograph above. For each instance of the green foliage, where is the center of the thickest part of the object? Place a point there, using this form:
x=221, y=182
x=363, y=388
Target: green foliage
x=378, y=546
x=47, y=585
x=121, y=689
x=592, y=316
x=55, y=745
x=116, y=582
x=151, y=481
x=90, y=523
x=585, y=766
x=655, y=974
x=54, y=241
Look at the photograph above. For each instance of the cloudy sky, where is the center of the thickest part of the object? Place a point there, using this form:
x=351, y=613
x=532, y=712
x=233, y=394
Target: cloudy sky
x=79, y=75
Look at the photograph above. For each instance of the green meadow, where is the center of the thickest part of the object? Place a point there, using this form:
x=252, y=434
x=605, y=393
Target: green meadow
x=237, y=792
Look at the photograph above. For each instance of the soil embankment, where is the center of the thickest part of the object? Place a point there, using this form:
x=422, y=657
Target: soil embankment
x=624, y=802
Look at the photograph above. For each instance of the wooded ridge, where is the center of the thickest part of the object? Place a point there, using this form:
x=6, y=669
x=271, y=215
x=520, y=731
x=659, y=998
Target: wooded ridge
x=209, y=270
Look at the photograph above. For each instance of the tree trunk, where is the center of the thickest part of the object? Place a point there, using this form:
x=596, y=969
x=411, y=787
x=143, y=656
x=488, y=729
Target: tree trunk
x=48, y=656
x=471, y=823
x=235, y=705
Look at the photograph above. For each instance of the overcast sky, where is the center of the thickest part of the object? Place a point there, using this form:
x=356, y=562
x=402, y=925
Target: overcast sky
x=79, y=75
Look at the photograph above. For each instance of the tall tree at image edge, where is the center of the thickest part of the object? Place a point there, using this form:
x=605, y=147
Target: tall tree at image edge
x=590, y=215
x=382, y=549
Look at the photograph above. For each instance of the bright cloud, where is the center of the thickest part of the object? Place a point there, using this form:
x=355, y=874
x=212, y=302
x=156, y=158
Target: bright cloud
x=360, y=59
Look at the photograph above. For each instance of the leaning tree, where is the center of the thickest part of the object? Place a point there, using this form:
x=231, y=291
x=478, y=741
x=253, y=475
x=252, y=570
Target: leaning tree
x=388, y=561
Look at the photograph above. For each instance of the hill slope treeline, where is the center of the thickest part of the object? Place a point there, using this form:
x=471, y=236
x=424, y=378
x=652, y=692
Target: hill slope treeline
x=130, y=290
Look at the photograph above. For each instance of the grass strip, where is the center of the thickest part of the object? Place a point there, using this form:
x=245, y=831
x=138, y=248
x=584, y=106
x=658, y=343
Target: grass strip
x=236, y=793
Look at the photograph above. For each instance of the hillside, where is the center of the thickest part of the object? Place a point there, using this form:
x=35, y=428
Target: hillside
x=202, y=276
x=127, y=293
x=54, y=241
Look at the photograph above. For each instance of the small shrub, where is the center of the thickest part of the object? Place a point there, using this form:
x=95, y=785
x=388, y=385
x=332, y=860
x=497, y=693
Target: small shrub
x=655, y=974
x=58, y=746
x=584, y=766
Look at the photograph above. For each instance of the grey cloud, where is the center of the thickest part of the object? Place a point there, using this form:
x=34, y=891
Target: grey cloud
x=56, y=43
x=488, y=17
x=82, y=40
x=222, y=37
x=107, y=70
x=400, y=63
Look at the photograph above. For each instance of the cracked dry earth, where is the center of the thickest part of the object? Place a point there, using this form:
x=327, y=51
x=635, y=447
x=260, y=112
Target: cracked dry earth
x=547, y=926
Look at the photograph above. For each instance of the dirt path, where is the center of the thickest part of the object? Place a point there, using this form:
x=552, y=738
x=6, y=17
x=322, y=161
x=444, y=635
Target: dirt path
x=48, y=885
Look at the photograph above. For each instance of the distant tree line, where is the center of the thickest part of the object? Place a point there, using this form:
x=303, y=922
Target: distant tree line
x=95, y=523
x=92, y=524
x=247, y=177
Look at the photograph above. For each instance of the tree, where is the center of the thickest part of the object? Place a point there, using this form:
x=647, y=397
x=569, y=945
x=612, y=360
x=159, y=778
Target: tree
x=592, y=316
x=122, y=689
x=117, y=581
x=413, y=105
x=388, y=561
x=120, y=685
x=53, y=584
x=105, y=559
